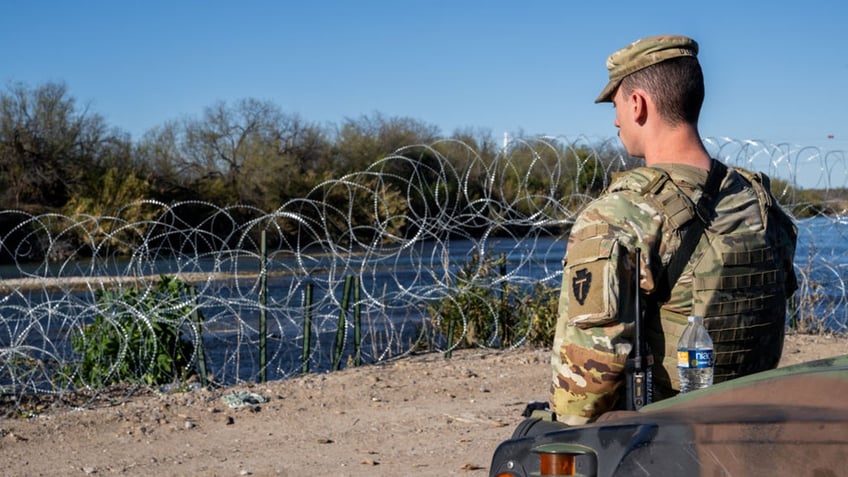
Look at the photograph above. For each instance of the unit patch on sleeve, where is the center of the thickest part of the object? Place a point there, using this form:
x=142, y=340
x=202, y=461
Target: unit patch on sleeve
x=592, y=272
x=580, y=284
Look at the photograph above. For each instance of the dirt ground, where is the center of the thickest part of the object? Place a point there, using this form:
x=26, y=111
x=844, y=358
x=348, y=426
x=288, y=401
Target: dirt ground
x=422, y=415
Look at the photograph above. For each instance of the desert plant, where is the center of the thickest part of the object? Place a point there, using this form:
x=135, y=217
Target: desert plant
x=540, y=306
x=487, y=310
x=138, y=336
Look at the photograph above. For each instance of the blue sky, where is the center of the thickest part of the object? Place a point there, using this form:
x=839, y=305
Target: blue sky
x=775, y=71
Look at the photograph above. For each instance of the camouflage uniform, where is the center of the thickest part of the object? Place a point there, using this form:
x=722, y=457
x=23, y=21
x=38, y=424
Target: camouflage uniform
x=739, y=277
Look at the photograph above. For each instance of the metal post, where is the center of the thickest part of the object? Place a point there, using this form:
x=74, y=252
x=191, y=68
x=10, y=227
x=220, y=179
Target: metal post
x=307, y=328
x=449, y=352
x=340, y=330
x=357, y=324
x=263, y=302
x=506, y=338
x=200, y=354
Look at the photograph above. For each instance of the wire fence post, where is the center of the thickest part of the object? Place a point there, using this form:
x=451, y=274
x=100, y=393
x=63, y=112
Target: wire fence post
x=263, y=302
x=506, y=332
x=449, y=351
x=340, y=330
x=793, y=313
x=197, y=322
x=357, y=324
x=307, y=328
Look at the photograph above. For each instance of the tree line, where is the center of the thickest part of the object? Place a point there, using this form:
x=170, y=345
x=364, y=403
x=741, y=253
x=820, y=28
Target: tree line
x=54, y=155
x=59, y=157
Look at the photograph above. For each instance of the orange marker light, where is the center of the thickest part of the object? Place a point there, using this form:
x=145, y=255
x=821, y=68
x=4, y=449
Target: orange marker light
x=558, y=459
x=556, y=464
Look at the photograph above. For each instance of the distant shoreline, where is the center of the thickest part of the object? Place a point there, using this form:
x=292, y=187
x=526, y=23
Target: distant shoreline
x=78, y=283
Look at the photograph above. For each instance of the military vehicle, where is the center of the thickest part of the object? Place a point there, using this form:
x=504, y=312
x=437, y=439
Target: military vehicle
x=788, y=421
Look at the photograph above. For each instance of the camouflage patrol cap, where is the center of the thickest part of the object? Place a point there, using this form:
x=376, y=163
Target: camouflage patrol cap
x=641, y=54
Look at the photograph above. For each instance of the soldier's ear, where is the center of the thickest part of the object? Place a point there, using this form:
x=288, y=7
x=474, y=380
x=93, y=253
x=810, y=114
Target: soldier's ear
x=639, y=102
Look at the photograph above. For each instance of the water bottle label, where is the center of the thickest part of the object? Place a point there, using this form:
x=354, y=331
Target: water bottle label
x=694, y=358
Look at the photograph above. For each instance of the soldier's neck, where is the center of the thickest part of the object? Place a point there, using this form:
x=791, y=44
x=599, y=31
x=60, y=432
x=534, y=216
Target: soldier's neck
x=678, y=145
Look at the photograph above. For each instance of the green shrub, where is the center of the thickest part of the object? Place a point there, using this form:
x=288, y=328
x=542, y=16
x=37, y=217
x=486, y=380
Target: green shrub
x=138, y=337
x=489, y=311
x=540, y=307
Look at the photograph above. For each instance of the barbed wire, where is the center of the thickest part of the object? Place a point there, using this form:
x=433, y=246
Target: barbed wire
x=410, y=229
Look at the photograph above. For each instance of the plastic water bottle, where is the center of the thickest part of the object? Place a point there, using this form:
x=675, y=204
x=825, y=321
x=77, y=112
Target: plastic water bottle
x=695, y=356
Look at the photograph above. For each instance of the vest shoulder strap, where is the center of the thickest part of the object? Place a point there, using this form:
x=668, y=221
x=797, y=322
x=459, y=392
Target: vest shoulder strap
x=678, y=210
x=656, y=186
x=643, y=180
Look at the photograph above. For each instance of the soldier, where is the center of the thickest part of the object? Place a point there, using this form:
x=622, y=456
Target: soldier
x=713, y=240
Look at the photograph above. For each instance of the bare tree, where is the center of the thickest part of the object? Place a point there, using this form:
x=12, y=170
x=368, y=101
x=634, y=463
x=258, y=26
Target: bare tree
x=47, y=146
x=249, y=152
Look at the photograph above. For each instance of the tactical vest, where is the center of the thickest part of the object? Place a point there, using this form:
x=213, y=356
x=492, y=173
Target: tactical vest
x=738, y=277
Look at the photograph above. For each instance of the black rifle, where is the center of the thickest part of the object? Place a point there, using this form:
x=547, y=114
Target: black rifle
x=638, y=366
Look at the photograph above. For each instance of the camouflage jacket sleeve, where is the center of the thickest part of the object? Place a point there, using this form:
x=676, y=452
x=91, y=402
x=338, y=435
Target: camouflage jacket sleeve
x=591, y=342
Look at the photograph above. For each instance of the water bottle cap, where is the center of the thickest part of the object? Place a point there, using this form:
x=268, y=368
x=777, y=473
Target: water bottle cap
x=693, y=319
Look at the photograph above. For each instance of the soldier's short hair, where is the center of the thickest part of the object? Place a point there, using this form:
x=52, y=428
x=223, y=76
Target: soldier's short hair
x=676, y=85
